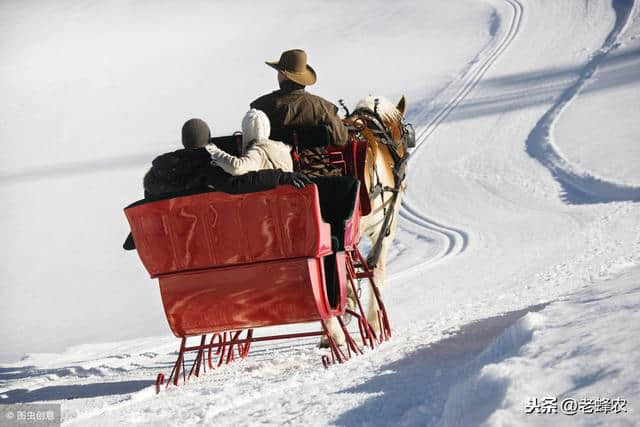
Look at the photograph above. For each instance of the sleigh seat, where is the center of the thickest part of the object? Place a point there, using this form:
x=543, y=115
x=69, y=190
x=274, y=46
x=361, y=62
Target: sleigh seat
x=229, y=262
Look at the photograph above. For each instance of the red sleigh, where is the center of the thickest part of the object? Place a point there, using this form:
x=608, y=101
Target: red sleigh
x=229, y=264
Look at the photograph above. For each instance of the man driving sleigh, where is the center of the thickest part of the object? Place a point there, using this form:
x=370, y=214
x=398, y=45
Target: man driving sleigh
x=292, y=105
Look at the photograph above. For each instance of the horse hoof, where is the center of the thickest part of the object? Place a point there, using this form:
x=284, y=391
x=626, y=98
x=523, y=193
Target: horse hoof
x=351, y=305
x=324, y=343
x=339, y=340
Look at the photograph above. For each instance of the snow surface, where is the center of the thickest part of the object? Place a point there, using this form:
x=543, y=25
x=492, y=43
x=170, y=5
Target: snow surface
x=516, y=270
x=95, y=90
x=613, y=84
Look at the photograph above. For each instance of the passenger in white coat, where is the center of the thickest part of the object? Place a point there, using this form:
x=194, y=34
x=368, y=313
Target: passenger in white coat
x=258, y=151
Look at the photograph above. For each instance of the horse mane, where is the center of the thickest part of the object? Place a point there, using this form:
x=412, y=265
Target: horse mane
x=386, y=109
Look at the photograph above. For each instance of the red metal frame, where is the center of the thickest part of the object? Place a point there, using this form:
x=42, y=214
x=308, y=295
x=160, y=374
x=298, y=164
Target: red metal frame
x=354, y=155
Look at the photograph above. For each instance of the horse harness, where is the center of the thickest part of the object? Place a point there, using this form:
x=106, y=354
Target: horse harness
x=378, y=190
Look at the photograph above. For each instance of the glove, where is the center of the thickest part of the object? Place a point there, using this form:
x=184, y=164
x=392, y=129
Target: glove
x=300, y=180
x=296, y=179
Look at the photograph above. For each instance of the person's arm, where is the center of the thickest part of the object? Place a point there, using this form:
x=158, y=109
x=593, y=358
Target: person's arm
x=262, y=180
x=338, y=130
x=251, y=161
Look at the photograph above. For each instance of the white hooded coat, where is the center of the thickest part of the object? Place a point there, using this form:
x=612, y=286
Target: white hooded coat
x=259, y=152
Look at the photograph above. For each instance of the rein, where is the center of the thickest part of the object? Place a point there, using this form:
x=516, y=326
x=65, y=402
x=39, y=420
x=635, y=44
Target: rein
x=399, y=172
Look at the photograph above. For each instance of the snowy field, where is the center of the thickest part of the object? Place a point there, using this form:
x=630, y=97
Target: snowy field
x=515, y=275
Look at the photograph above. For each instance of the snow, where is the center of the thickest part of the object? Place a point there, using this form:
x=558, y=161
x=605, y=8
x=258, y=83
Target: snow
x=516, y=267
x=95, y=91
x=613, y=84
x=579, y=186
x=565, y=348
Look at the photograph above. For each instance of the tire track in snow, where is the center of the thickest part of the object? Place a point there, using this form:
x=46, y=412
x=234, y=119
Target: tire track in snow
x=458, y=239
x=581, y=187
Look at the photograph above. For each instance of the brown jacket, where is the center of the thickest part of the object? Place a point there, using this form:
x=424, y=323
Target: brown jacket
x=293, y=106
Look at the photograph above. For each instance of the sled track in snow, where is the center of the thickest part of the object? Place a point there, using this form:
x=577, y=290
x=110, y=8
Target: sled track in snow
x=580, y=187
x=458, y=239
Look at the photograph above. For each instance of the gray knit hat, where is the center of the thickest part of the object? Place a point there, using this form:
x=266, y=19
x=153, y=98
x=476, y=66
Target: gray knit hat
x=195, y=133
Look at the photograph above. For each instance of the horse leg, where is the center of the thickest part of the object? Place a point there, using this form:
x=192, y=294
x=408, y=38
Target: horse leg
x=378, y=277
x=379, y=272
x=335, y=330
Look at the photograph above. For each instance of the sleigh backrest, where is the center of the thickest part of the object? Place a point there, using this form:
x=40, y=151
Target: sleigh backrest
x=217, y=229
x=230, y=144
x=303, y=136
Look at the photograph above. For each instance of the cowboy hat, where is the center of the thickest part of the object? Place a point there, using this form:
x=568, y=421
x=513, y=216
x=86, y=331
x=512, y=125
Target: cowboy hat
x=293, y=64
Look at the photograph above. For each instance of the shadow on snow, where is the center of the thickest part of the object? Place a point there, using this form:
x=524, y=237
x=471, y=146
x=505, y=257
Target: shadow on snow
x=524, y=90
x=421, y=382
x=74, y=391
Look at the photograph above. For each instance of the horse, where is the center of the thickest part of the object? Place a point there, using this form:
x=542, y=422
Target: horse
x=380, y=123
